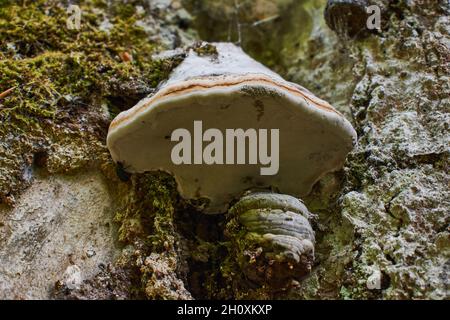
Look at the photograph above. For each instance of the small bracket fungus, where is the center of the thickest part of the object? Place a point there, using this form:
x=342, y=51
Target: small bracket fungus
x=347, y=17
x=229, y=103
x=272, y=239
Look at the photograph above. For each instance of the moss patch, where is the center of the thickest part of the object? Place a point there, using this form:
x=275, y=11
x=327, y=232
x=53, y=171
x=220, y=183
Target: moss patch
x=59, y=82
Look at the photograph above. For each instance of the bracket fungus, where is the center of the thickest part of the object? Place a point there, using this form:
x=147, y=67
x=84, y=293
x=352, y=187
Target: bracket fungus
x=237, y=100
x=347, y=17
x=225, y=89
x=272, y=238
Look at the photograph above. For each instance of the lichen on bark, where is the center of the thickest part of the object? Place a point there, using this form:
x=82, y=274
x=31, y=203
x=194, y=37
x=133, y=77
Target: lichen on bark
x=382, y=229
x=388, y=216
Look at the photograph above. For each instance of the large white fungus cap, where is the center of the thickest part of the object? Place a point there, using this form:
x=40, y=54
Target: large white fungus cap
x=230, y=90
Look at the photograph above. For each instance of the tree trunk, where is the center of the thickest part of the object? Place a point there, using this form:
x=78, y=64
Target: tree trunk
x=381, y=222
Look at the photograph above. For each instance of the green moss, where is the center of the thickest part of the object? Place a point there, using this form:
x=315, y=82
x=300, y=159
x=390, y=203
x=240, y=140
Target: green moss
x=39, y=88
x=149, y=212
x=44, y=61
x=147, y=222
x=61, y=79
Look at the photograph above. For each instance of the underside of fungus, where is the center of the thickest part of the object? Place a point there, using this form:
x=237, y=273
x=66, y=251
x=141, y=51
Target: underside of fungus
x=226, y=89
